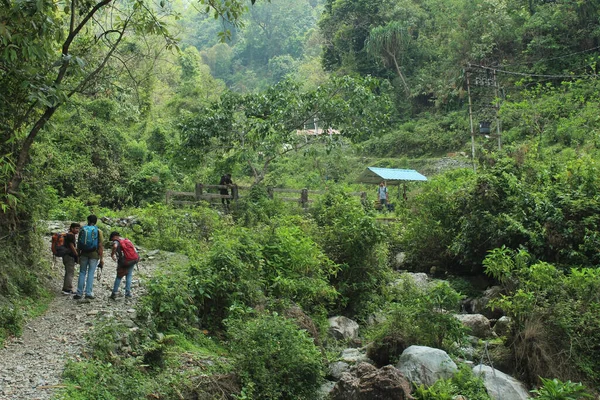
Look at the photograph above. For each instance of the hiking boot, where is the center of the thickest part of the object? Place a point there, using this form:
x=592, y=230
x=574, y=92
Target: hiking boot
x=128, y=296
x=77, y=297
x=90, y=297
x=68, y=292
x=113, y=296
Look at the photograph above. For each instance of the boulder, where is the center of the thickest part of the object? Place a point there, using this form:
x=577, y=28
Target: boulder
x=499, y=385
x=336, y=369
x=425, y=365
x=480, y=305
x=478, y=324
x=354, y=356
x=343, y=328
x=325, y=389
x=419, y=279
x=366, y=382
x=502, y=326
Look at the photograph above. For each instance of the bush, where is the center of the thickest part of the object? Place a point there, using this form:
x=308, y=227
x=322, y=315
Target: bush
x=554, y=389
x=352, y=238
x=464, y=383
x=181, y=230
x=551, y=309
x=169, y=301
x=230, y=272
x=432, y=308
x=296, y=269
x=275, y=359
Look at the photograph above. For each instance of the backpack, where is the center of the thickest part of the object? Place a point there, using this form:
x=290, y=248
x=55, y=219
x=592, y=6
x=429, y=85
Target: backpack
x=88, y=238
x=58, y=247
x=128, y=255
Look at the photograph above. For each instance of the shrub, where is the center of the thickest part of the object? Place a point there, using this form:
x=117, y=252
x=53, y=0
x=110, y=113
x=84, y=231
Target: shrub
x=554, y=389
x=352, y=238
x=464, y=383
x=552, y=310
x=275, y=359
x=296, y=269
x=256, y=208
x=175, y=229
x=230, y=272
x=432, y=308
x=169, y=300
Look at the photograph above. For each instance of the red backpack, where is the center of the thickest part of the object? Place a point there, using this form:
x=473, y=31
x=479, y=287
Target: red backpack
x=58, y=247
x=128, y=255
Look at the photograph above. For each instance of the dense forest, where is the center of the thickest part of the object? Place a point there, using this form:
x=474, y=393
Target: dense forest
x=105, y=106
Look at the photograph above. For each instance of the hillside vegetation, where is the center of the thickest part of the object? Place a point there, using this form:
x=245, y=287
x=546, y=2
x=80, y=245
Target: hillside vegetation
x=107, y=105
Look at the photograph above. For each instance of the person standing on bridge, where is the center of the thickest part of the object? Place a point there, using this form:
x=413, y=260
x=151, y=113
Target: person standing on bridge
x=382, y=195
x=225, y=180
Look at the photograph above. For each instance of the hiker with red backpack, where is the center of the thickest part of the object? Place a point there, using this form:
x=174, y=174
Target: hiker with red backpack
x=126, y=256
x=91, y=256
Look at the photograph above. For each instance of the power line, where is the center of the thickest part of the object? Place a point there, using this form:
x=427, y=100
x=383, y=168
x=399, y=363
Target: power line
x=557, y=58
x=502, y=71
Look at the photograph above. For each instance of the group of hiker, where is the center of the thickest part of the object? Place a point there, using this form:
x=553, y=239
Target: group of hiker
x=84, y=245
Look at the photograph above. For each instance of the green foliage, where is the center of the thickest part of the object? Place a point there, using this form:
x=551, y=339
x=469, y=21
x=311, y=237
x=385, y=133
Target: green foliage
x=432, y=307
x=566, y=303
x=352, y=238
x=256, y=208
x=297, y=269
x=275, y=359
x=150, y=183
x=428, y=135
x=464, y=383
x=169, y=304
x=174, y=229
x=22, y=278
x=11, y=321
x=230, y=273
x=554, y=389
x=69, y=209
x=256, y=129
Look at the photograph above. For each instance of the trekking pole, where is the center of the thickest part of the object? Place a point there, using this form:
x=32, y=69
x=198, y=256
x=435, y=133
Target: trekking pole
x=100, y=267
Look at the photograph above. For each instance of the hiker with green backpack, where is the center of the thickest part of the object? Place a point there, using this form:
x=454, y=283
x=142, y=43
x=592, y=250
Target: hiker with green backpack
x=91, y=256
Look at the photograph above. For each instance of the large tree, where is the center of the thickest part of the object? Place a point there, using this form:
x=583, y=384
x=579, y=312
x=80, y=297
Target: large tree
x=256, y=129
x=50, y=51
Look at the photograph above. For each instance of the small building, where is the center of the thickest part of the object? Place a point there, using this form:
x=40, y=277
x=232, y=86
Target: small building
x=391, y=176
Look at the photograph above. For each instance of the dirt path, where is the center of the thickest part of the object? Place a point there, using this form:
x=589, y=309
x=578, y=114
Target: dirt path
x=31, y=365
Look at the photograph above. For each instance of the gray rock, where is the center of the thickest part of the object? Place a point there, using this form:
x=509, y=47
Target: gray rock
x=337, y=368
x=366, y=382
x=499, y=385
x=343, y=328
x=353, y=355
x=477, y=323
x=325, y=390
x=502, y=326
x=425, y=365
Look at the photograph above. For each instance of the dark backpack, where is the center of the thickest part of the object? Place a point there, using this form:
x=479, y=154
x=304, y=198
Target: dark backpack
x=128, y=255
x=58, y=247
x=88, y=238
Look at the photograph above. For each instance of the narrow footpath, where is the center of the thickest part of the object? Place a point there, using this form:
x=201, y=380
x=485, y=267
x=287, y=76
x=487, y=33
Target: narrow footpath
x=31, y=366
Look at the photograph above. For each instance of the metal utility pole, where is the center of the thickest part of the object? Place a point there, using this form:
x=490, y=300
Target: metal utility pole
x=471, y=120
x=497, y=112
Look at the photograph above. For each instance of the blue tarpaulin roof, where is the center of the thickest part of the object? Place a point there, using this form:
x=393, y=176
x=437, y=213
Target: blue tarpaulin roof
x=375, y=175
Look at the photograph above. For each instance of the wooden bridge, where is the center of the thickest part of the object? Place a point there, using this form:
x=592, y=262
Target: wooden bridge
x=303, y=196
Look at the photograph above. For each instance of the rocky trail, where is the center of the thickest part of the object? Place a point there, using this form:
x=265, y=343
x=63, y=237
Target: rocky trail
x=31, y=366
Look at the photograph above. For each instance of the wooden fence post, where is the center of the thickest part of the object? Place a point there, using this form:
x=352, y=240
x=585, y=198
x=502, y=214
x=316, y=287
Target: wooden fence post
x=270, y=192
x=199, y=191
x=234, y=192
x=304, y=198
x=168, y=197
